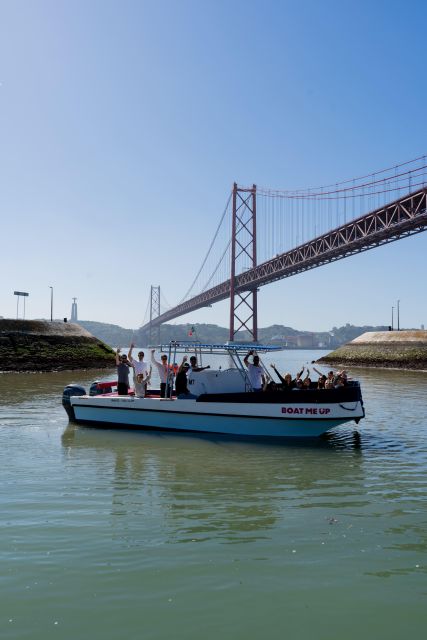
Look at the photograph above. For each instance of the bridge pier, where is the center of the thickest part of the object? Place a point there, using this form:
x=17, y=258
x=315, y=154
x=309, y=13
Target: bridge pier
x=154, y=329
x=243, y=304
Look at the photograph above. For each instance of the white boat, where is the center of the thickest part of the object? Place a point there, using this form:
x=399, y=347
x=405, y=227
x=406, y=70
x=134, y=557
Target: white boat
x=222, y=402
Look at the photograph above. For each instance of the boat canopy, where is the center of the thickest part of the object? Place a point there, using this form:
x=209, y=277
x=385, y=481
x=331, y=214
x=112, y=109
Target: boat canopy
x=226, y=348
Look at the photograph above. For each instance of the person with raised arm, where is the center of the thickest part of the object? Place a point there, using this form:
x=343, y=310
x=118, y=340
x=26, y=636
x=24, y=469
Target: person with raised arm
x=181, y=382
x=165, y=372
x=255, y=372
x=139, y=366
x=287, y=382
x=123, y=367
x=141, y=383
x=194, y=366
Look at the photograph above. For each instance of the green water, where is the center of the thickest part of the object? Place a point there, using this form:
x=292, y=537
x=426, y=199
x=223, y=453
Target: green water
x=108, y=534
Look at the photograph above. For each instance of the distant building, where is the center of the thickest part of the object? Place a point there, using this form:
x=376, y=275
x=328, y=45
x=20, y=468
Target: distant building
x=305, y=341
x=74, y=311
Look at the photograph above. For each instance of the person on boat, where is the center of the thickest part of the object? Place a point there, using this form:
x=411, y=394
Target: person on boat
x=141, y=383
x=321, y=381
x=193, y=365
x=181, y=381
x=255, y=372
x=306, y=383
x=343, y=375
x=165, y=374
x=287, y=382
x=139, y=366
x=331, y=376
x=339, y=382
x=123, y=366
x=298, y=385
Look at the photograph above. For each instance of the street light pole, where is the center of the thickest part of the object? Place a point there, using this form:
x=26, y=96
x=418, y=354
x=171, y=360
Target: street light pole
x=51, y=304
x=20, y=294
x=398, y=315
x=392, y=326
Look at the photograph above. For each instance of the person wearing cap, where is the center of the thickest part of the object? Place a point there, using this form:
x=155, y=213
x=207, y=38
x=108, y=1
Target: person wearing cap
x=255, y=372
x=165, y=372
x=181, y=383
x=123, y=367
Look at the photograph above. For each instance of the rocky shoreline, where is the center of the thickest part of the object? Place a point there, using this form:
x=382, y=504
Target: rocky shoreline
x=38, y=345
x=383, y=349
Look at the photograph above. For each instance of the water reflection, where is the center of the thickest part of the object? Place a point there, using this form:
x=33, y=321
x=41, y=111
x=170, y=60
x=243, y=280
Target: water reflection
x=215, y=487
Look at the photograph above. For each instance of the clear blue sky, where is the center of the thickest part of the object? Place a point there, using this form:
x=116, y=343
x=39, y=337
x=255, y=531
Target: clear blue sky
x=124, y=124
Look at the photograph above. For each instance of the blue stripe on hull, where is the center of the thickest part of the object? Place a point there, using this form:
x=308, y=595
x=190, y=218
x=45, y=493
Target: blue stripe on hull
x=202, y=423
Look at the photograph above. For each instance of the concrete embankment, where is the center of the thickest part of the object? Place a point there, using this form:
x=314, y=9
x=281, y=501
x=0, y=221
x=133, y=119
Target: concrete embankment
x=390, y=349
x=37, y=345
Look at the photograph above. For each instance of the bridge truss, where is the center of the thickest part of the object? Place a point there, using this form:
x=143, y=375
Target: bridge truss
x=403, y=217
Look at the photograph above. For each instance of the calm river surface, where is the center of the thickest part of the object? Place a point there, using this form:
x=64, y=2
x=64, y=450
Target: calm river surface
x=107, y=535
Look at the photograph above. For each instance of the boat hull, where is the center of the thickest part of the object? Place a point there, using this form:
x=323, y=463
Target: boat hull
x=249, y=419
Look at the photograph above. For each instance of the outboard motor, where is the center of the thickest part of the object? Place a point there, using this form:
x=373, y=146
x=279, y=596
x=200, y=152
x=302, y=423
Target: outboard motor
x=71, y=390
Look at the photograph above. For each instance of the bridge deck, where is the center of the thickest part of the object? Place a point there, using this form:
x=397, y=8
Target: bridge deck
x=400, y=218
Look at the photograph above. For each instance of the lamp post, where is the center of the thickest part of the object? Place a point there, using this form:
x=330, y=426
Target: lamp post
x=20, y=294
x=392, y=319
x=398, y=315
x=51, y=304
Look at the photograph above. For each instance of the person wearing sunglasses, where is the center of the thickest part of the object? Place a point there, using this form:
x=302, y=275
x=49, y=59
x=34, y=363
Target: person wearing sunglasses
x=165, y=373
x=123, y=367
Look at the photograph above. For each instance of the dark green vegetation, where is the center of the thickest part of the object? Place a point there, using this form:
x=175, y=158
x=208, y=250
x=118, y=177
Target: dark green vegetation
x=33, y=345
x=389, y=349
x=276, y=334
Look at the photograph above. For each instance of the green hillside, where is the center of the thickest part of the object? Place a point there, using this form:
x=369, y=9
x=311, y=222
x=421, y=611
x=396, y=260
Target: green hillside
x=115, y=335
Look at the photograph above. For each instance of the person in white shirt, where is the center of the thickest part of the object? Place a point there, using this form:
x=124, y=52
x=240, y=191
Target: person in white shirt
x=165, y=374
x=255, y=372
x=139, y=366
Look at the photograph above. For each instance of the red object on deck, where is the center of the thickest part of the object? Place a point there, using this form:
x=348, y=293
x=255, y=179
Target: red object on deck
x=105, y=385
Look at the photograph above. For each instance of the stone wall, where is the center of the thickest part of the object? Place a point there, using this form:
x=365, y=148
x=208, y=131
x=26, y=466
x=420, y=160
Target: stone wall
x=391, y=349
x=37, y=345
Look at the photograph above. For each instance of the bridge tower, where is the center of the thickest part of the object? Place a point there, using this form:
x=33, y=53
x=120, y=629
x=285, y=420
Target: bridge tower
x=154, y=331
x=243, y=304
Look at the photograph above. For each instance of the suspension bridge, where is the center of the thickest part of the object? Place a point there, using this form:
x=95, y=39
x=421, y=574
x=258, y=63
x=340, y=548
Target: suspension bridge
x=264, y=235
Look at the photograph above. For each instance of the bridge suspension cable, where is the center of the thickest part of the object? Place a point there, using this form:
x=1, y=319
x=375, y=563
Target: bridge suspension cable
x=300, y=229
x=289, y=218
x=418, y=165
x=209, y=254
